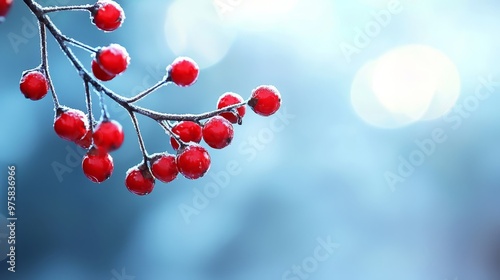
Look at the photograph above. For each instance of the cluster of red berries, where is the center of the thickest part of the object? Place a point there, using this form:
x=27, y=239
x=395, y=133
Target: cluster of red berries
x=191, y=159
x=105, y=136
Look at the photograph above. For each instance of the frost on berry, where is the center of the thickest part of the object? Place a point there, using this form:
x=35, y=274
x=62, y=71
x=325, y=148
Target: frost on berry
x=183, y=71
x=99, y=73
x=218, y=132
x=139, y=180
x=228, y=99
x=113, y=59
x=70, y=124
x=97, y=165
x=163, y=167
x=107, y=15
x=34, y=85
x=4, y=8
x=187, y=131
x=108, y=135
x=265, y=100
x=193, y=161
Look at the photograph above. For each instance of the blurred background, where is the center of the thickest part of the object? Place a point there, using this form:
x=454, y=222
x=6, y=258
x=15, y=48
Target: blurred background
x=383, y=162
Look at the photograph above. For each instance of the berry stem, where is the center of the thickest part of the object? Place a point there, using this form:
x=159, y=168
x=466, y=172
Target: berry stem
x=68, y=8
x=139, y=136
x=208, y=115
x=79, y=44
x=168, y=128
x=88, y=102
x=45, y=63
x=146, y=92
x=104, y=110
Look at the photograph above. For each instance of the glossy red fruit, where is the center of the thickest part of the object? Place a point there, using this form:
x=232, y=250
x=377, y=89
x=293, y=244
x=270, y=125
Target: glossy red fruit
x=97, y=166
x=228, y=99
x=218, y=132
x=107, y=15
x=34, y=84
x=108, y=135
x=164, y=168
x=265, y=100
x=86, y=141
x=113, y=59
x=139, y=180
x=99, y=73
x=71, y=124
x=4, y=8
x=193, y=161
x=188, y=131
x=183, y=71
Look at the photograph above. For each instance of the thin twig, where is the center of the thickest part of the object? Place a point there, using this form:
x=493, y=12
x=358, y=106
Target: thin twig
x=168, y=129
x=88, y=101
x=67, y=8
x=146, y=92
x=104, y=110
x=139, y=135
x=45, y=63
x=79, y=44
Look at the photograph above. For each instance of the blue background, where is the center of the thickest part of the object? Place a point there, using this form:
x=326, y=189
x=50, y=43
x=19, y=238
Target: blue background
x=314, y=170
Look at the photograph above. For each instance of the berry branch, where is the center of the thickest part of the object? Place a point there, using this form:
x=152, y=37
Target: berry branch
x=106, y=135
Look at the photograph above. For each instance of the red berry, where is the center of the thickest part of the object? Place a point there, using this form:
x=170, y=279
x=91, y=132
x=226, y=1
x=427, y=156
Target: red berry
x=218, y=132
x=228, y=99
x=34, y=85
x=164, y=168
x=113, y=59
x=107, y=15
x=108, y=135
x=265, y=100
x=193, y=161
x=86, y=141
x=99, y=73
x=183, y=71
x=188, y=131
x=4, y=8
x=71, y=124
x=139, y=180
x=97, y=165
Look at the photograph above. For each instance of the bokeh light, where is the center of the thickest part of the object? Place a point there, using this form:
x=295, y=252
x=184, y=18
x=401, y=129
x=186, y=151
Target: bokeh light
x=255, y=14
x=366, y=104
x=405, y=85
x=198, y=33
